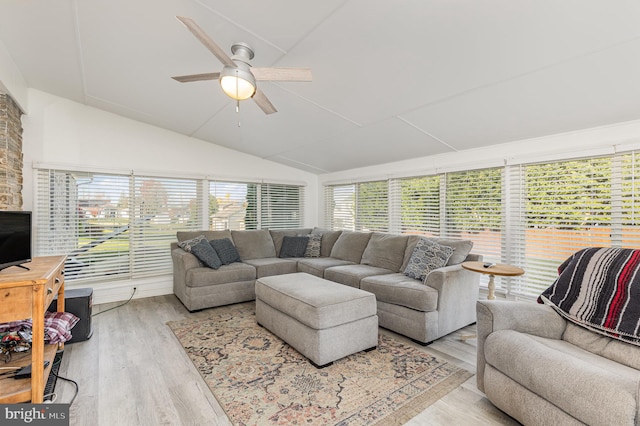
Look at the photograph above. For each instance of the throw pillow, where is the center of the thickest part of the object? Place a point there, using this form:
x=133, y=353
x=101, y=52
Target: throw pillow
x=293, y=246
x=226, y=250
x=427, y=256
x=313, y=246
x=599, y=289
x=187, y=244
x=206, y=254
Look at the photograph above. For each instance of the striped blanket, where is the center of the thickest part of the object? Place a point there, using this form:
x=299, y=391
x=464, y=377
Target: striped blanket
x=599, y=288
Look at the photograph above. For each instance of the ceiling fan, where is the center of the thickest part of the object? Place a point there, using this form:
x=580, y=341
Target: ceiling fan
x=238, y=77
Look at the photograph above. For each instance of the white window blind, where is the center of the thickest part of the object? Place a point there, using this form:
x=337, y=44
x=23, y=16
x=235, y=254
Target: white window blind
x=282, y=206
x=530, y=215
x=111, y=226
x=419, y=199
x=372, y=206
x=340, y=207
x=161, y=207
x=474, y=210
x=233, y=205
x=567, y=207
x=357, y=207
x=238, y=206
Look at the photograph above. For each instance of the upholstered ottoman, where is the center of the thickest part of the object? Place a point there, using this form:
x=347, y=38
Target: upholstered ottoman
x=322, y=320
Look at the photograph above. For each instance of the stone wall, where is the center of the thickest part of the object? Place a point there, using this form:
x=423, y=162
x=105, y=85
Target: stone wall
x=10, y=154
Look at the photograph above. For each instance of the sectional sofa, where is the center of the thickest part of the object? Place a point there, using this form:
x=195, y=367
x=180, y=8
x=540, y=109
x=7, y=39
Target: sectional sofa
x=421, y=310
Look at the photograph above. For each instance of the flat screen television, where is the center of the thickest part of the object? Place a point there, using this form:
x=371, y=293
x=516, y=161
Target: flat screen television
x=15, y=238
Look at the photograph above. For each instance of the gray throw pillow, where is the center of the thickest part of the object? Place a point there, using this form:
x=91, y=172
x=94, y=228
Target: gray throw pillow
x=293, y=246
x=226, y=250
x=206, y=254
x=313, y=246
x=427, y=256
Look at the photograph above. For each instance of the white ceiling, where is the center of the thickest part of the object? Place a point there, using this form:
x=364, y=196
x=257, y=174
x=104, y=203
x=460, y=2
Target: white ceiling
x=392, y=80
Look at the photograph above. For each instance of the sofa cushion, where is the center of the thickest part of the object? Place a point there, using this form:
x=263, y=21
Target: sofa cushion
x=268, y=266
x=313, y=245
x=593, y=389
x=385, y=251
x=427, y=256
x=226, y=250
x=293, y=246
x=329, y=238
x=254, y=244
x=350, y=246
x=352, y=274
x=615, y=350
x=317, y=265
x=398, y=289
x=277, y=236
x=209, y=235
x=461, y=249
x=234, y=272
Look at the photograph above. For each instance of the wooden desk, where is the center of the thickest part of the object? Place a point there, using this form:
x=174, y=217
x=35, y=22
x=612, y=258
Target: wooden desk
x=499, y=269
x=27, y=294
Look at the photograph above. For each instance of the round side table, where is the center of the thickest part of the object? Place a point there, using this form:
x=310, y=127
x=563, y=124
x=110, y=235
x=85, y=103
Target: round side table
x=499, y=269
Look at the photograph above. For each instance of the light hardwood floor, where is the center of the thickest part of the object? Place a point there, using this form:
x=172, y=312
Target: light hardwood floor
x=133, y=371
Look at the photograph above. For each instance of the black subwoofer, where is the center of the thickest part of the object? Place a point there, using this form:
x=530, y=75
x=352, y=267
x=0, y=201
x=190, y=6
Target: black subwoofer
x=78, y=302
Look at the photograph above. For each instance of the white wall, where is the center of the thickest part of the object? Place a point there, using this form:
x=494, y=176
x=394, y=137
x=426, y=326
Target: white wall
x=60, y=132
x=11, y=80
x=589, y=142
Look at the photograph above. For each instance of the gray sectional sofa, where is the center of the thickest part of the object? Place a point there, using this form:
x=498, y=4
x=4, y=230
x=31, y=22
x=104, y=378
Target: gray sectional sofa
x=371, y=261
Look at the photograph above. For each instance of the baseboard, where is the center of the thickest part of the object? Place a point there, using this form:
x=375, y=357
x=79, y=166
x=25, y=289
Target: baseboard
x=117, y=291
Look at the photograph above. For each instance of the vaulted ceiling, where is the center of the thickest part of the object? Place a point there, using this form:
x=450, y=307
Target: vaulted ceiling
x=392, y=80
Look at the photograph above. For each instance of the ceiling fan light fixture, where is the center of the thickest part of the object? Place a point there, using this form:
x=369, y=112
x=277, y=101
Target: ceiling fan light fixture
x=237, y=83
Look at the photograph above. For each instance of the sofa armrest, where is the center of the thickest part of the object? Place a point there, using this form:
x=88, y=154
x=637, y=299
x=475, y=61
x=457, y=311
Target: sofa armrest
x=182, y=262
x=525, y=317
x=458, y=291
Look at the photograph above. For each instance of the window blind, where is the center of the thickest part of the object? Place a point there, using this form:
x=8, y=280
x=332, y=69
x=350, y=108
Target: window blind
x=372, y=206
x=161, y=207
x=474, y=211
x=530, y=215
x=111, y=226
x=567, y=208
x=340, y=207
x=238, y=205
x=282, y=206
x=419, y=200
x=358, y=207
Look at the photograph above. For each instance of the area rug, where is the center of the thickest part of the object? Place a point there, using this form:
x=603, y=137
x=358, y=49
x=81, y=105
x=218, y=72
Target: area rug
x=260, y=380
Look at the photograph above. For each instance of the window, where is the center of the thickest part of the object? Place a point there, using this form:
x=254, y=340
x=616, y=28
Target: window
x=112, y=226
x=531, y=215
x=419, y=205
x=360, y=206
x=237, y=205
x=567, y=208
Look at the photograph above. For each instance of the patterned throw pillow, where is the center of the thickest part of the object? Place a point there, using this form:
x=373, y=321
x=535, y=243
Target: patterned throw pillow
x=187, y=244
x=200, y=248
x=226, y=250
x=427, y=256
x=313, y=246
x=293, y=246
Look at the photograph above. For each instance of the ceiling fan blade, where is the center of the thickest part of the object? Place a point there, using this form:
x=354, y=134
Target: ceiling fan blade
x=263, y=102
x=282, y=74
x=207, y=41
x=197, y=77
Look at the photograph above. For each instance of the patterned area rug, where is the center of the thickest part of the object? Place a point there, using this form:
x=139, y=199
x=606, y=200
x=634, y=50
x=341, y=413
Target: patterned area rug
x=260, y=380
